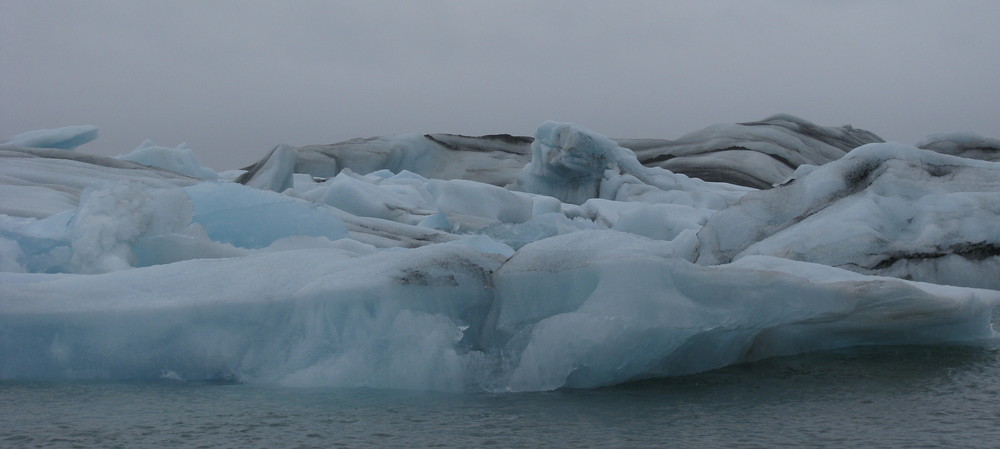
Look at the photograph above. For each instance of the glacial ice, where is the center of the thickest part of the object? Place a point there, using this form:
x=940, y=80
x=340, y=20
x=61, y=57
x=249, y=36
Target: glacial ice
x=274, y=172
x=882, y=209
x=964, y=144
x=65, y=138
x=181, y=159
x=754, y=154
x=388, y=267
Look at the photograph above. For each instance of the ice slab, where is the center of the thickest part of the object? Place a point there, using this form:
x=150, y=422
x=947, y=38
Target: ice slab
x=65, y=138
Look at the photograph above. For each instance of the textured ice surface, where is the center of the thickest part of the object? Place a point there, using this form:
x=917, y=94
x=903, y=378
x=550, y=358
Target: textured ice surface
x=884, y=208
x=573, y=164
x=754, y=154
x=597, y=270
x=489, y=159
x=969, y=145
x=273, y=172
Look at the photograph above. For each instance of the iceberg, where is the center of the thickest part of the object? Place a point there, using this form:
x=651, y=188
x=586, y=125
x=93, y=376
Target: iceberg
x=499, y=263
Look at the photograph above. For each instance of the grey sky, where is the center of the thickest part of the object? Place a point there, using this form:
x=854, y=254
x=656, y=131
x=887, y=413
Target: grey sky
x=234, y=78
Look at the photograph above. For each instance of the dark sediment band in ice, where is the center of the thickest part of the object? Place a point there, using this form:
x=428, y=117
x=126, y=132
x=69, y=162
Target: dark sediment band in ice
x=754, y=154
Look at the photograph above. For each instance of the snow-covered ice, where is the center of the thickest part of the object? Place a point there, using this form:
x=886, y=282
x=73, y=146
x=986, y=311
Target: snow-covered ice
x=496, y=263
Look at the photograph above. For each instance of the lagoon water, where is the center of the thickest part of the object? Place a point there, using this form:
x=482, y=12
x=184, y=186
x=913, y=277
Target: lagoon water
x=889, y=396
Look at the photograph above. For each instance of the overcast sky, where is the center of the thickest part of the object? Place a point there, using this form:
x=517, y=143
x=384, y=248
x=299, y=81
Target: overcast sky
x=234, y=78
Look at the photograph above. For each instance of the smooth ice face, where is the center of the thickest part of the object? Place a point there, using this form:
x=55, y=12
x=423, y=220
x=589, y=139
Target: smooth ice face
x=181, y=160
x=66, y=138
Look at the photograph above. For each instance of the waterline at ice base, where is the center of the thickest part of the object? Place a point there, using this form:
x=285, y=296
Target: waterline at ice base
x=494, y=263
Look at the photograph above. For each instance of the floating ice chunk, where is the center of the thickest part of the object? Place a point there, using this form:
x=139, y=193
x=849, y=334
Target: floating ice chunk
x=181, y=159
x=252, y=218
x=343, y=282
x=66, y=138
